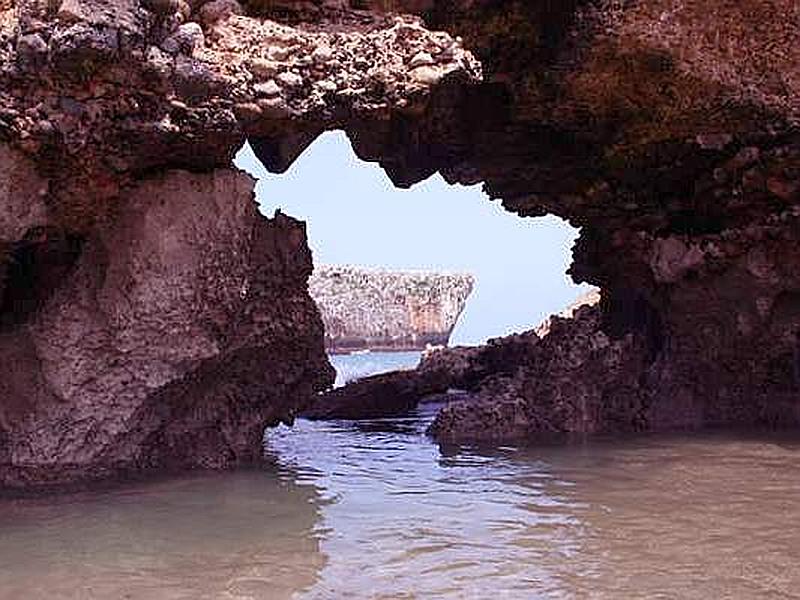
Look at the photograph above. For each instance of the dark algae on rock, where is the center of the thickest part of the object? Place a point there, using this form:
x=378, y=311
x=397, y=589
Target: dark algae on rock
x=151, y=318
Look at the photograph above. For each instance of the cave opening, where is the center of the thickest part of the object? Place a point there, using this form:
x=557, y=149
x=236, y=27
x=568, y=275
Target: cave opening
x=356, y=216
x=33, y=269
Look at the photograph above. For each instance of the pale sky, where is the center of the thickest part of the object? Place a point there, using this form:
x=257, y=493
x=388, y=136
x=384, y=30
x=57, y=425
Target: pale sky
x=355, y=215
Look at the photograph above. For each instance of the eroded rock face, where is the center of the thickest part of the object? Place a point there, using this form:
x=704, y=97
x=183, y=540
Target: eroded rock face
x=572, y=379
x=150, y=351
x=666, y=130
x=387, y=310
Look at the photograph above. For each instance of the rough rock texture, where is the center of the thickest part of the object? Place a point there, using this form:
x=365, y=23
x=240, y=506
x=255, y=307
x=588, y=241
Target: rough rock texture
x=387, y=310
x=468, y=374
x=571, y=376
x=149, y=349
x=570, y=379
x=566, y=376
x=151, y=318
x=385, y=395
x=666, y=129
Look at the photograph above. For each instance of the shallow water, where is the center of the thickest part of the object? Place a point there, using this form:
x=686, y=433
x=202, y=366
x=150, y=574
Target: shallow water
x=376, y=510
x=354, y=366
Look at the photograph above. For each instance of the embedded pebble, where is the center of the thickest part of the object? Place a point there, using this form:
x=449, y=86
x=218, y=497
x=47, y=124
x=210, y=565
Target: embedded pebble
x=263, y=68
x=421, y=59
x=268, y=88
x=322, y=54
x=290, y=80
x=426, y=75
x=327, y=86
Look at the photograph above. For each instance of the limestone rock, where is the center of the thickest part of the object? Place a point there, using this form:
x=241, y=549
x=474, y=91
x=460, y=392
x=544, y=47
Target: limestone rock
x=426, y=75
x=186, y=39
x=263, y=68
x=327, y=86
x=376, y=309
x=290, y=80
x=32, y=51
x=22, y=196
x=322, y=54
x=268, y=88
x=420, y=59
x=219, y=10
x=574, y=379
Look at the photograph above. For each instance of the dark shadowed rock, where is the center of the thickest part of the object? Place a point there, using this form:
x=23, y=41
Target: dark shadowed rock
x=385, y=395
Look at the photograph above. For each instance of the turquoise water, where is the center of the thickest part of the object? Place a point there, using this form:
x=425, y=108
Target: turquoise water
x=376, y=510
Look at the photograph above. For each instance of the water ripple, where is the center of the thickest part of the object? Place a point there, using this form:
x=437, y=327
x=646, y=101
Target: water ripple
x=363, y=511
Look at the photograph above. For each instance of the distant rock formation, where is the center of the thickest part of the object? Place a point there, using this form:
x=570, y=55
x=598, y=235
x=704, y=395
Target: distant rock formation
x=387, y=310
x=491, y=403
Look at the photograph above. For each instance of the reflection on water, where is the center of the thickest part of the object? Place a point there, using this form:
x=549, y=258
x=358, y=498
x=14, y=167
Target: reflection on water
x=241, y=535
x=408, y=523
x=376, y=510
x=702, y=516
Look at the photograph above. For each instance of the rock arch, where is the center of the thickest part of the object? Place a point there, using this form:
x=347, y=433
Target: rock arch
x=667, y=130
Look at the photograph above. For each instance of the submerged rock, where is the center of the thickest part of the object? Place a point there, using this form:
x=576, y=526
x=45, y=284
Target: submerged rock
x=387, y=310
x=385, y=395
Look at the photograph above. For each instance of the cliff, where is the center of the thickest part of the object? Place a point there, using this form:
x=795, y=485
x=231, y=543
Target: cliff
x=387, y=310
x=141, y=346
x=151, y=318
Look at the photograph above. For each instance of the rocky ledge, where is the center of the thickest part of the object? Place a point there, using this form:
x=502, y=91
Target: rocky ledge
x=387, y=310
x=567, y=376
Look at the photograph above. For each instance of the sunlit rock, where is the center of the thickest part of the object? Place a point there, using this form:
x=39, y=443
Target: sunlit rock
x=387, y=310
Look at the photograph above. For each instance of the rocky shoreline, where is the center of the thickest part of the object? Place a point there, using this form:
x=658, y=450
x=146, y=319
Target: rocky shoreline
x=489, y=391
x=381, y=310
x=150, y=318
x=567, y=376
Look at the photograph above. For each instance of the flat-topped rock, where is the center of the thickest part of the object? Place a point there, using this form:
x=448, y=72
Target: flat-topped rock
x=375, y=309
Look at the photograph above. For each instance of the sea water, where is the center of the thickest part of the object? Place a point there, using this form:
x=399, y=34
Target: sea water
x=376, y=509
